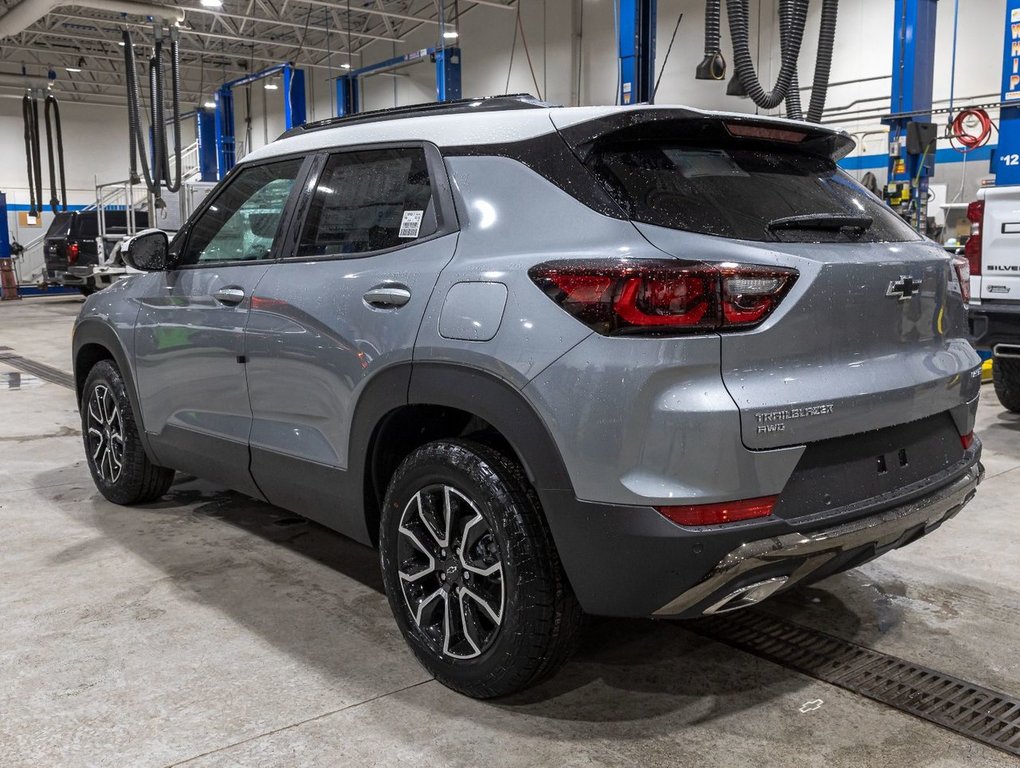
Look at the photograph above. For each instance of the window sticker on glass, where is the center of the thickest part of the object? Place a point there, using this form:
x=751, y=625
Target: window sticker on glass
x=410, y=224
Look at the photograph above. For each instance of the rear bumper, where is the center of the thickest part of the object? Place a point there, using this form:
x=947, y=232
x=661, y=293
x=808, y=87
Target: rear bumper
x=631, y=561
x=801, y=557
x=994, y=324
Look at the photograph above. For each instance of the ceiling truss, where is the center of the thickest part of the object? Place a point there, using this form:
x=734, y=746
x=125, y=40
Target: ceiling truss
x=219, y=44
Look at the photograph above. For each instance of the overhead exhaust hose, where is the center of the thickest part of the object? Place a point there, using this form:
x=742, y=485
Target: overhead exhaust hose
x=26, y=116
x=823, y=64
x=134, y=96
x=55, y=202
x=794, y=111
x=156, y=118
x=175, y=111
x=713, y=66
x=793, y=20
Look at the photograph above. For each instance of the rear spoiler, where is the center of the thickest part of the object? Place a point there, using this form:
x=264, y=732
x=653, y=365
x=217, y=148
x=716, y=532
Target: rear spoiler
x=685, y=125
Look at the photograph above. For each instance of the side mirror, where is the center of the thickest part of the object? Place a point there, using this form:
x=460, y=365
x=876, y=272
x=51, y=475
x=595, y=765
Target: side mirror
x=147, y=250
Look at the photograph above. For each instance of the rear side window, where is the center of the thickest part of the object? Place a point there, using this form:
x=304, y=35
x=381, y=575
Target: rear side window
x=369, y=200
x=739, y=192
x=87, y=225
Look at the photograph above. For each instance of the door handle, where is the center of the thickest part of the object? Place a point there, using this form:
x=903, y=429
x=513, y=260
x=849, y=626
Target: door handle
x=387, y=296
x=231, y=296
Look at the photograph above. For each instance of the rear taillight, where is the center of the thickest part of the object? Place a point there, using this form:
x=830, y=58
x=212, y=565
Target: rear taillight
x=961, y=267
x=72, y=253
x=616, y=297
x=972, y=249
x=967, y=440
x=722, y=512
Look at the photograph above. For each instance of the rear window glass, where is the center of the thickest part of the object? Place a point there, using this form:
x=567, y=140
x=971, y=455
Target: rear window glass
x=60, y=224
x=87, y=225
x=738, y=193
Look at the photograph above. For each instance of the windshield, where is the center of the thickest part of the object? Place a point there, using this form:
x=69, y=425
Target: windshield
x=739, y=192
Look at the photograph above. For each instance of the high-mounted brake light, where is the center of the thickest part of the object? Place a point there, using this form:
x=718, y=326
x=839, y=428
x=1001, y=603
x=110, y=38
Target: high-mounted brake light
x=722, y=512
x=972, y=249
x=72, y=253
x=744, y=131
x=663, y=296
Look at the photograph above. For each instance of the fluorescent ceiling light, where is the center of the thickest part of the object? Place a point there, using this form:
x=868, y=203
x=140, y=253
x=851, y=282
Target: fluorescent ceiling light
x=450, y=34
x=345, y=65
x=72, y=69
x=210, y=105
x=211, y=3
x=270, y=86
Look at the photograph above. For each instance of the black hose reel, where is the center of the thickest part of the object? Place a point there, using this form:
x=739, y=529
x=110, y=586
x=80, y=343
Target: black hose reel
x=156, y=176
x=745, y=82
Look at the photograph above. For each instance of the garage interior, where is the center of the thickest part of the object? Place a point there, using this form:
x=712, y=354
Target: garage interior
x=212, y=629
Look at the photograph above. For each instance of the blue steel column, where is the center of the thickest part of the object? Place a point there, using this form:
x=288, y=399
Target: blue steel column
x=205, y=135
x=347, y=100
x=913, y=70
x=637, y=50
x=1006, y=162
x=447, y=74
x=224, y=130
x=294, y=111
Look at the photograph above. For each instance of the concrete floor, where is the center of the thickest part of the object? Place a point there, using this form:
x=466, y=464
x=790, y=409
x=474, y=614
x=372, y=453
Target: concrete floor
x=213, y=630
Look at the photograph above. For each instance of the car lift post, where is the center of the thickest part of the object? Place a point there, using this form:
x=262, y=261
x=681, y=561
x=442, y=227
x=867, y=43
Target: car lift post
x=205, y=135
x=913, y=69
x=293, y=109
x=1006, y=159
x=447, y=61
x=8, y=282
x=637, y=50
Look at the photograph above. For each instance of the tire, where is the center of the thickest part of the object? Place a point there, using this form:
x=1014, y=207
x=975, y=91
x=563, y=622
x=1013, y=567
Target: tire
x=120, y=469
x=528, y=631
x=1006, y=378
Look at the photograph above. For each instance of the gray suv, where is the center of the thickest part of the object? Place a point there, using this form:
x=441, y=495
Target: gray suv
x=641, y=361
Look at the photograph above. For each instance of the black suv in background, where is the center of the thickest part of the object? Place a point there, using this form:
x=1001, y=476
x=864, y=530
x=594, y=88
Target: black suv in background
x=71, y=247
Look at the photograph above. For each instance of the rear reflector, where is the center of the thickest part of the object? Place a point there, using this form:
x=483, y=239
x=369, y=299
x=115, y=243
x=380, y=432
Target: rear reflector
x=962, y=268
x=723, y=512
x=967, y=440
x=663, y=296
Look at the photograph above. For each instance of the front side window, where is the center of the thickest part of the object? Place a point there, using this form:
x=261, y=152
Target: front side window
x=368, y=201
x=243, y=221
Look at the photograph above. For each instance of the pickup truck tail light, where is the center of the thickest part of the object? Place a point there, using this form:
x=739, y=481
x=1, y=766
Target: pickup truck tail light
x=663, y=296
x=72, y=253
x=972, y=249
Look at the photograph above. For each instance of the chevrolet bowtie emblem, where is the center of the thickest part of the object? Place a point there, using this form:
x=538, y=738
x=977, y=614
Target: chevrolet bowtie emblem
x=904, y=288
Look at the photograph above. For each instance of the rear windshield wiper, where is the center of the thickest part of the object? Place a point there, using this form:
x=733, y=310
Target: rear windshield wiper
x=834, y=221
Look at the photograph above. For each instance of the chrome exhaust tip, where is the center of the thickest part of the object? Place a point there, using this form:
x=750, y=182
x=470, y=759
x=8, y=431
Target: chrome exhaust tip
x=1009, y=351
x=747, y=596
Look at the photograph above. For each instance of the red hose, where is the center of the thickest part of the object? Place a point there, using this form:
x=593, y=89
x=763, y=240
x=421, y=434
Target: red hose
x=971, y=140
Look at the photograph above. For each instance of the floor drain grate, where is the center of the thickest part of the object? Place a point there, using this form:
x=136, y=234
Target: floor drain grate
x=970, y=710
x=43, y=371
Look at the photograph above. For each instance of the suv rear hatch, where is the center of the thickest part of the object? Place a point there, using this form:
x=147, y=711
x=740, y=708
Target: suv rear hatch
x=55, y=243
x=872, y=332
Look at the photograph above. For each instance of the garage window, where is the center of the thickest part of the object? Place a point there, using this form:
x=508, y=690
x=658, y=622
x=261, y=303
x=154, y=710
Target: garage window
x=370, y=200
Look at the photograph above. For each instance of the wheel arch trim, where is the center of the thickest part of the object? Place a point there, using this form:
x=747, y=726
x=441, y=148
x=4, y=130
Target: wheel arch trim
x=96, y=332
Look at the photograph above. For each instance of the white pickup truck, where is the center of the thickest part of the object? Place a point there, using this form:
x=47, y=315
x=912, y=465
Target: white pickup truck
x=993, y=253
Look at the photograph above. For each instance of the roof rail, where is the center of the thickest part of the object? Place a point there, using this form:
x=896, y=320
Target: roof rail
x=460, y=106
